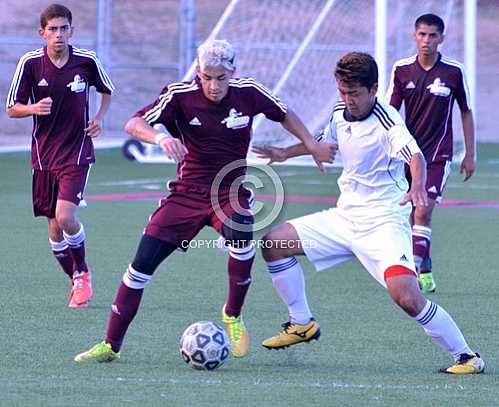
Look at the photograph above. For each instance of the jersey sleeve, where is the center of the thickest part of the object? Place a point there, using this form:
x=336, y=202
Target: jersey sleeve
x=328, y=133
x=20, y=88
x=264, y=101
x=394, y=93
x=162, y=110
x=462, y=93
x=100, y=78
x=402, y=145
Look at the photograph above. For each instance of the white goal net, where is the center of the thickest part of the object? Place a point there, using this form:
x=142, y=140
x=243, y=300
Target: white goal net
x=292, y=47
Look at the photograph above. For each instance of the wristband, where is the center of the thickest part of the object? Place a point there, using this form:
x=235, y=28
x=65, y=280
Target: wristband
x=160, y=137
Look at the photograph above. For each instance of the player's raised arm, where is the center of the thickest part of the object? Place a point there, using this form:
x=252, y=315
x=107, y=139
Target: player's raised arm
x=279, y=154
x=320, y=152
x=141, y=130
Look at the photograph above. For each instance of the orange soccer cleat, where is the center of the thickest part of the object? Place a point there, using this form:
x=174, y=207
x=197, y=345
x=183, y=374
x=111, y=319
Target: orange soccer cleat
x=81, y=292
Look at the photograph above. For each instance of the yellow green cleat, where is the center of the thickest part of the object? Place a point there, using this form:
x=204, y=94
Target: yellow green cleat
x=238, y=335
x=102, y=352
x=426, y=282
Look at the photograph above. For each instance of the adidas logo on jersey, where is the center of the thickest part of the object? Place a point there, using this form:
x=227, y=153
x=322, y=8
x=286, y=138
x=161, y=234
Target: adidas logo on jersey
x=410, y=85
x=403, y=258
x=43, y=82
x=195, y=122
x=433, y=189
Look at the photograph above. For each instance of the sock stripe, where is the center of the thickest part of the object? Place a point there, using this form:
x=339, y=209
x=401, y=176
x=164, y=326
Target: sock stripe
x=135, y=279
x=283, y=266
x=243, y=254
x=421, y=231
x=429, y=314
x=424, y=236
x=77, y=239
x=58, y=246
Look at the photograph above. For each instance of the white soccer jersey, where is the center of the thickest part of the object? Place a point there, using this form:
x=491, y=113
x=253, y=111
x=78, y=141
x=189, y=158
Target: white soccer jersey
x=373, y=152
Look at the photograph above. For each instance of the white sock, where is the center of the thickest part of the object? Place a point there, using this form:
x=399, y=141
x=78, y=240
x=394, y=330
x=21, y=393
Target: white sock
x=440, y=327
x=289, y=282
x=77, y=239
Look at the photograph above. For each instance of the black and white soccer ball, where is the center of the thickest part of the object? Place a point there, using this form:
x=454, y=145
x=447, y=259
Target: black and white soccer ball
x=204, y=345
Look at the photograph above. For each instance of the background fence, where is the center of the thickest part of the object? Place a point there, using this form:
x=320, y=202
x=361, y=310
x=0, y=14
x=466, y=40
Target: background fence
x=147, y=44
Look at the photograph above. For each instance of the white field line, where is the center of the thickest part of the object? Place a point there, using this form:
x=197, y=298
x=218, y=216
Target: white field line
x=101, y=145
x=263, y=383
x=143, y=181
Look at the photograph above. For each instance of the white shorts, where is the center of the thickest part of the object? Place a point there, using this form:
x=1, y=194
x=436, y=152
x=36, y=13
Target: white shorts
x=329, y=238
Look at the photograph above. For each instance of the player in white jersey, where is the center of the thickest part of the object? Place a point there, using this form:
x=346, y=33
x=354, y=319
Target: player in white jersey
x=371, y=220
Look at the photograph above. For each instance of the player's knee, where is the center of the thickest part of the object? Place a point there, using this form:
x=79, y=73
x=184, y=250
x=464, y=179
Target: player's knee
x=150, y=253
x=238, y=231
x=67, y=221
x=272, y=249
x=410, y=302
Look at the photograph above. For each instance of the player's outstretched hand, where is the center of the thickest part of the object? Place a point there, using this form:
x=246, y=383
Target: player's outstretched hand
x=173, y=148
x=323, y=153
x=416, y=195
x=94, y=128
x=43, y=106
x=467, y=167
x=273, y=154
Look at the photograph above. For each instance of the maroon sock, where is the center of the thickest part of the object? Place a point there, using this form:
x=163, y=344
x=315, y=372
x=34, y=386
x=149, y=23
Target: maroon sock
x=77, y=249
x=65, y=260
x=239, y=282
x=78, y=257
x=123, y=310
x=421, y=241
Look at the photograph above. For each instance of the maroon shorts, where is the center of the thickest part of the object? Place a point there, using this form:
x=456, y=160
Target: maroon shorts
x=189, y=208
x=50, y=186
x=437, y=174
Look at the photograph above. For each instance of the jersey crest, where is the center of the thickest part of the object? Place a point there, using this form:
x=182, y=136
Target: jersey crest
x=235, y=120
x=438, y=88
x=78, y=85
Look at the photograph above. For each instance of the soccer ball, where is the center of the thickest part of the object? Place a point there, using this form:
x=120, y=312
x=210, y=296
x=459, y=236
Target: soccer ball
x=204, y=345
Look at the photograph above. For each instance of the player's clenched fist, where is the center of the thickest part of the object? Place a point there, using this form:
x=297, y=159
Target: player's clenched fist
x=43, y=106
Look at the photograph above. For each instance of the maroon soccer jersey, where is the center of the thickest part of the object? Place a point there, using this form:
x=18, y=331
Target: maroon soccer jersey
x=214, y=134
x=428, y=97
x=58, y=139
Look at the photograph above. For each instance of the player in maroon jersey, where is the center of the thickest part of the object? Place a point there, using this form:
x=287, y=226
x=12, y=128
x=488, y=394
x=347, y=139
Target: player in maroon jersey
x=51, y=84
x=428, y=84
x=209, y=122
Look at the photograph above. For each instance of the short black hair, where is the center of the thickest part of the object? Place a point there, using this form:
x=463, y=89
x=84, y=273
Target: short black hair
x=357, y=68
x=430, y=19
x=55, y=11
